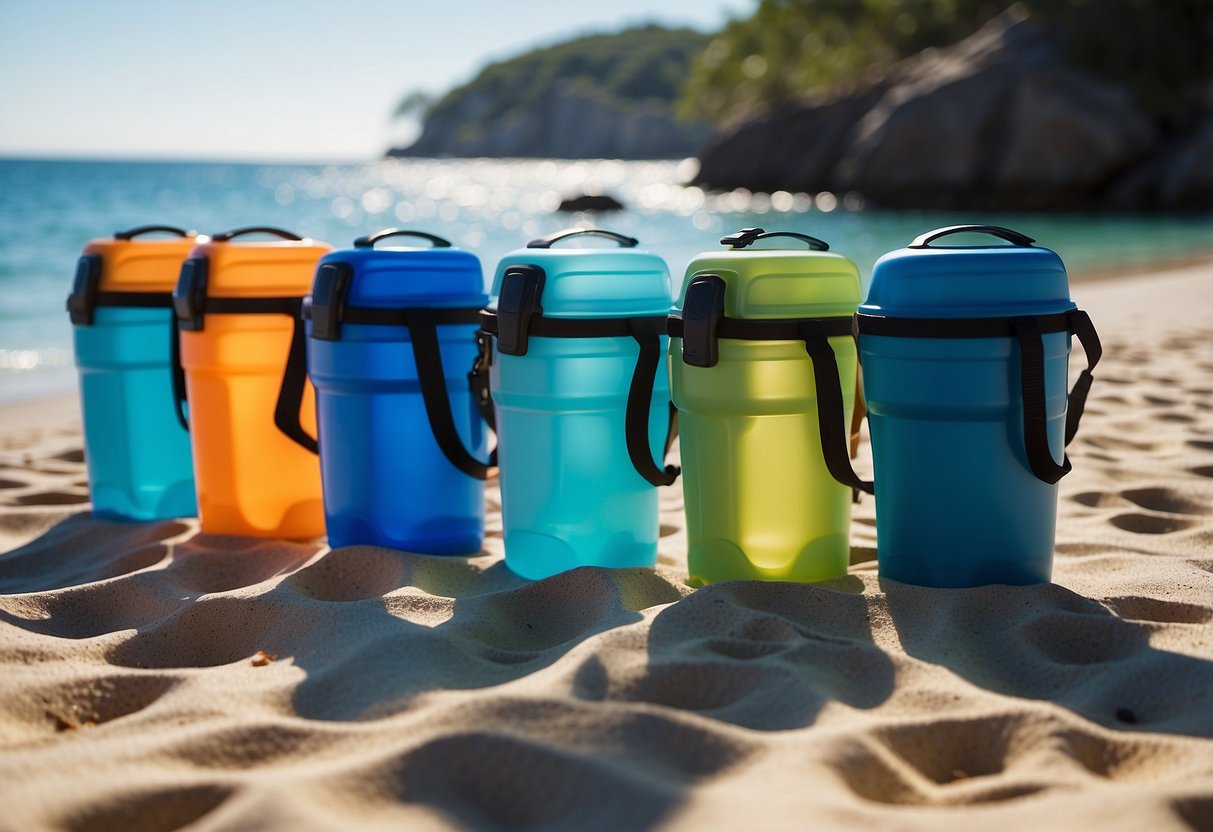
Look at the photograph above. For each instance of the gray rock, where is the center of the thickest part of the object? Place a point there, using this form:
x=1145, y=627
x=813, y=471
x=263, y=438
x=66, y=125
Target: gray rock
x=995, y=121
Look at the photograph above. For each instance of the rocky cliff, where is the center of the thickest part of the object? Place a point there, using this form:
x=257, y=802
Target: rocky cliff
x=600, y=96
x=998, y=120
x=568, y=124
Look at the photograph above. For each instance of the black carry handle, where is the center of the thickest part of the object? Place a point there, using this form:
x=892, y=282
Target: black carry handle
x=748, y=236
x=1032, y=389
x=255, y=229
x=370, y=239
x=423, y=333
x=551, y=239
x=640, y=398
x=1011, y=236
x=831, y=422
x=132, y=233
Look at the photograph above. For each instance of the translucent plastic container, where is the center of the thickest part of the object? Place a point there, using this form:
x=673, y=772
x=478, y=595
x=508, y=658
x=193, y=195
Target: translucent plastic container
x=138, y=454
x=401, y=464
x=760, y=501
x=237, y=306
x=964, y=352
x=572, y=488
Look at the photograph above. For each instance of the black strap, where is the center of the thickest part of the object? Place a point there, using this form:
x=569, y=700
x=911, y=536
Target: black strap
x=1028, y=331
x=288, y=416
x=423, y=331
x=545, y=327
x=178, y=373
x=866, y=324
x=831, y=420
x=1032, y=389
x=770, y=329
x=402, y=317
x=647, y=332
x=135, y=300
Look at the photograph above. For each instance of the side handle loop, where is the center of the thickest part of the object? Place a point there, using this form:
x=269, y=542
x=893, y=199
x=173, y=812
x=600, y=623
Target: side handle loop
x=287, y=416
x=1032, y=390
x=640, y=399
x=831, y=415
x=424, y=334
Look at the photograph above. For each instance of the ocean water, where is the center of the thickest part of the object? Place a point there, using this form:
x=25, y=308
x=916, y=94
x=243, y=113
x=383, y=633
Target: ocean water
x=50, y=209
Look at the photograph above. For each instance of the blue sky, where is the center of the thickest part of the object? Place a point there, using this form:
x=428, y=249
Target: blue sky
x=264, y=79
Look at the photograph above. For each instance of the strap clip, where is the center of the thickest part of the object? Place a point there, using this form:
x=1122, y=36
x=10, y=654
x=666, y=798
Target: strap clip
x=189, y=297
x=521, y=290
x=82, y=302
x=328, y=300
x=702, y=312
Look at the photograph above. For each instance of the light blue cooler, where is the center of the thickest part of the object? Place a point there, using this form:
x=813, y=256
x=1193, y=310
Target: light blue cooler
x=138, y=453
x=392, y=335
x=583, y=404
x=964, y=352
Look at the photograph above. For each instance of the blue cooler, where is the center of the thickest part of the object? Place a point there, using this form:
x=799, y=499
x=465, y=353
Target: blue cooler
x=964, y=352
x=391, y=337
x=583, y=402
x=138, y=454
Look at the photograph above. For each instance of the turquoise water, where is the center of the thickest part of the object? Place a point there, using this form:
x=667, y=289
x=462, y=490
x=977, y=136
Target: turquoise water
x=49, y=209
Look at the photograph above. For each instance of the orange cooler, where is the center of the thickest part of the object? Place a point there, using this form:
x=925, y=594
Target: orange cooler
x=237, y=307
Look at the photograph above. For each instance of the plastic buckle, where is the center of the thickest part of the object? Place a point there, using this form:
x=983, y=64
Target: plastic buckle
x=702, y=311
x=521, y=289
x=742, y=238
x=82, y=302
x=478, y=377
x=189, y=297
x=328, y=300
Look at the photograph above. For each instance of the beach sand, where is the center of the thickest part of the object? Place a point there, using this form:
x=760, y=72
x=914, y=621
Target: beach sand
x=153, y=678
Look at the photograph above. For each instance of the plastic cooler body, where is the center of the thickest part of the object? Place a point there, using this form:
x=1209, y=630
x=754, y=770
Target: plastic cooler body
x=760, y=503
x=957, y=503
x=138, y=455
x=386, y=481
x=251, y=478
x=570, y=494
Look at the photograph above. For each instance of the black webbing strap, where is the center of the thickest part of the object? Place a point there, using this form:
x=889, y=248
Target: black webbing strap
x=770, y=329
x=1028, y=332
x=135, y=300
x=422, y=324
x=578, y=327
x=423, y=331
x=647, y=332
x=227, y=306
x=288, y=416
x=831, y=419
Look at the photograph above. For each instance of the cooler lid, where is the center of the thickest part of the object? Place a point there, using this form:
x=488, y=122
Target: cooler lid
x=434, y=273
x=282, y=266
x=131, y=261
x=803, y=280
x=983, y=280
x=622, y=281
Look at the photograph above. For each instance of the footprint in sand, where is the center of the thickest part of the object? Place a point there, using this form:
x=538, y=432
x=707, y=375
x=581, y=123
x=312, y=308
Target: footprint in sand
x=1151, y=523
x=51, y=498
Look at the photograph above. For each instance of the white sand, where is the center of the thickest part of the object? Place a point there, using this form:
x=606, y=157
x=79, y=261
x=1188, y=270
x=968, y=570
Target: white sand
x=408, y=692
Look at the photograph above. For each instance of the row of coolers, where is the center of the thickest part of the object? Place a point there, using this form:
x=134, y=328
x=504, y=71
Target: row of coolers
x=280, y=388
